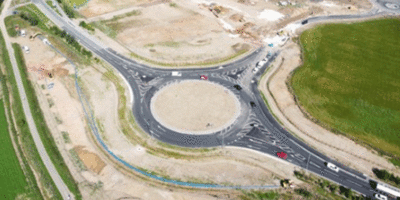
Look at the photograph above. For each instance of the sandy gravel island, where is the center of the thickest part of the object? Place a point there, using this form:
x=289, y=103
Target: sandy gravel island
x=195, y=107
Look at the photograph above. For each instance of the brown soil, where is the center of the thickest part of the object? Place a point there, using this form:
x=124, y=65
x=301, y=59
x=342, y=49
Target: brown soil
x=195, y=107
x=91, y=160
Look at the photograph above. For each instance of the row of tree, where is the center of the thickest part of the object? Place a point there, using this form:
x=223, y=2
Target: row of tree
x=71, y=40
x=32, y=20
x=385, y=175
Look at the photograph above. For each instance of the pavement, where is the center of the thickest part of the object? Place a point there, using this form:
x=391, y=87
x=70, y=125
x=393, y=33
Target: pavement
x=255, y=128
x=61, y=186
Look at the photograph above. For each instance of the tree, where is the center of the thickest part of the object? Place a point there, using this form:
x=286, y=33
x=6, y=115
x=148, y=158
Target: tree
x=63, y=33
x=348, y=193
x=333, y=188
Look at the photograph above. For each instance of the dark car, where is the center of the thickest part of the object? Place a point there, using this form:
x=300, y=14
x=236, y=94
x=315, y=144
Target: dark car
x=304, y=22
x=252, y=104
x=15, y=12
x=237, y=87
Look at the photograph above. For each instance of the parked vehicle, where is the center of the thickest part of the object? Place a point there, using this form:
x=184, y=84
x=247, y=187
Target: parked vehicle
x=252, y=104
x=25, y=48
x=304, y=22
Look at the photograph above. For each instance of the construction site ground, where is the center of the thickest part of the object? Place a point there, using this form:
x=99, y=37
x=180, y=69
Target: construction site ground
x=101, y=178
x=194, y=31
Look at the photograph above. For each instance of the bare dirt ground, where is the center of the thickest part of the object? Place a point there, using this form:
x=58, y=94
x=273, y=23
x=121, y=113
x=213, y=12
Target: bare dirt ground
x=102, y=179
x=195, y=107
x=183, y=31
x=283, y=105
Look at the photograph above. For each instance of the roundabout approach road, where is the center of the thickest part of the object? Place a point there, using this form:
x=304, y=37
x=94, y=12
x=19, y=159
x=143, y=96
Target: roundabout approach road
x=255, y=128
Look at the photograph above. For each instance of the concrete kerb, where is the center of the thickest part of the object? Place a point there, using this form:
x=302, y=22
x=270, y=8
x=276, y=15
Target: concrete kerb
x=226, y=125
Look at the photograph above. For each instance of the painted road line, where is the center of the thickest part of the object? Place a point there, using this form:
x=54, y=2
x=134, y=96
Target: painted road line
x=255, y=141
x=306, y=150
x=354, y=183
x=314, y=164
x=333, y=173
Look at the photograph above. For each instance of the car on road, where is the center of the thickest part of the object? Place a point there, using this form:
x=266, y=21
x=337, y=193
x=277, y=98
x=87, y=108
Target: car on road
x=237, y=87
x=380, y=196
x=282, y=155
x=252, y=104
x=176, y=74
x=332, y=167
x=255, y=70
x=204, y=77
x=304, y=22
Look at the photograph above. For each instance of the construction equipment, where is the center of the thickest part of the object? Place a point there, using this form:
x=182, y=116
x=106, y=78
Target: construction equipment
x=34, y=35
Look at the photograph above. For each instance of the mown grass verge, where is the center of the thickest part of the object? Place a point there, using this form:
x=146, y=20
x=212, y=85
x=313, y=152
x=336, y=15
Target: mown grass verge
x=44, y=132
x=349, y=82
x=200, y=63
x=30, y=159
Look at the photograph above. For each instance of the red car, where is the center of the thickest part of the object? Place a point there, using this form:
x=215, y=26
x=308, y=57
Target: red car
x=282, y=155
x=203, y=77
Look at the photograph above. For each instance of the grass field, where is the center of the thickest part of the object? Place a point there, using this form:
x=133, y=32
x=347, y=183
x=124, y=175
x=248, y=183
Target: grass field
x=32, y=191
x=10, y=168
x=350, y=80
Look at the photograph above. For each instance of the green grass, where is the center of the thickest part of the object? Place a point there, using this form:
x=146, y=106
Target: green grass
x=10, y=168
x=44, y=132
x=260, y=195
x=350, y=80
x=76, y=2
x=30, y=159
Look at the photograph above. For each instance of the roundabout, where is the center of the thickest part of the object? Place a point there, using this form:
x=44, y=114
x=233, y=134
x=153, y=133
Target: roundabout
x=195, y=107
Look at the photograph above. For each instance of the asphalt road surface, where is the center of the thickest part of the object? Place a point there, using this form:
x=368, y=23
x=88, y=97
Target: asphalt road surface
x=255, y=128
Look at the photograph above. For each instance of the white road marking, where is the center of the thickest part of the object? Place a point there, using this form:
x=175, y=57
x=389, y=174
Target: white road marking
x=314, y=164
x=333, y=173
x=354, y=183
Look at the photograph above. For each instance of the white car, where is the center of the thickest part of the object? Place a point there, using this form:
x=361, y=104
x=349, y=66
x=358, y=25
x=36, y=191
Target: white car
x=332, y=167
x=26, y=49
x=380, y=196
x=176, y=74
x=255, y=70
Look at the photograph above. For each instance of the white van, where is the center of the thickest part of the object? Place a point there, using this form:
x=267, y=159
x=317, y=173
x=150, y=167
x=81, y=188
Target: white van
x=176, y=74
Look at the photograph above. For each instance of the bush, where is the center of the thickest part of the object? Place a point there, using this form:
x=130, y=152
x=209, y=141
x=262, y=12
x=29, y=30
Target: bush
x=385, y=175
x=333, y=188
x=303, y=192
x=68, y=11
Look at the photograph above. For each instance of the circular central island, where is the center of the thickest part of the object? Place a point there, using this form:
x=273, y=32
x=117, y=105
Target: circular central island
x=195, y=107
